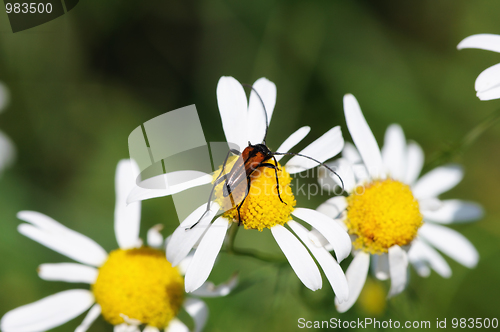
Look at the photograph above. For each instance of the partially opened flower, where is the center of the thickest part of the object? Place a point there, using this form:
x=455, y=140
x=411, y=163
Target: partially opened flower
x=389, y=211
x=270, y=203
x=133, y=286
x=488, y=82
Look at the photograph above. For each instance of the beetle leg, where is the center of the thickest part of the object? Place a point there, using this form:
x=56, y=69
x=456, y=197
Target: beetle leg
x=269, y=165
x=241, y=204
x=277, y=181
x=217, y=181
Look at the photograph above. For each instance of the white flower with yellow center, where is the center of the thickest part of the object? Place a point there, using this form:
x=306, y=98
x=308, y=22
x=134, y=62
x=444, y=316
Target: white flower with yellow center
x=389, y=211
x=131, y=287
x=488, y=82
x=243, y=123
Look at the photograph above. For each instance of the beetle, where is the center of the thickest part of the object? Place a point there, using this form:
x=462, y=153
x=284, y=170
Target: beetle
x=253, y=157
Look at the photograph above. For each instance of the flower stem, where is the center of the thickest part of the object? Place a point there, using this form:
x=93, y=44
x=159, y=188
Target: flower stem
x=231, y=249
x=448, y=154
x=232, y=235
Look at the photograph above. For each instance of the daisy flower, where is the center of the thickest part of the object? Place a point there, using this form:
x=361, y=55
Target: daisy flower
x=131, y=287
x=488, y=82
x=394, y=217
x=245, y=123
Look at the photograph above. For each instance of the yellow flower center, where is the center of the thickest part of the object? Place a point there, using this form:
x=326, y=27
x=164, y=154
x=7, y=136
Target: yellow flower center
x=140, y=284
x=382, y=214
x=373, y=298
x=262, y=208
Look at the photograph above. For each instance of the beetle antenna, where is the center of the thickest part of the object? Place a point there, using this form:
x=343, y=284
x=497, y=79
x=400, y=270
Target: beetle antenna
x=263, y=106
x=311, y=158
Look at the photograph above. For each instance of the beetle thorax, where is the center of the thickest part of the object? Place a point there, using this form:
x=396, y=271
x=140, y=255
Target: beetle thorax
x=262, y=207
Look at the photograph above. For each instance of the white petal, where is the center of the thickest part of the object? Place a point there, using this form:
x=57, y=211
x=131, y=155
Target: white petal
x=394, y=152
x=319, y=240
x=68, y=272
x=184, y=264
x=256, y=123
x=324, y=148
x=293, y=140
x=182, y=240
x=351, y=153
x=126, y=328
x=327, y=180
x=356, y=276
x=130, y=321
x=47, y=313
x=232, y=102
x=363, y=136
x=398, y=265
x=198, y=310
x=488, y=83
x=488, y=79
x=208, y=289
x=155, y=239
x=344, y=177
x=346, y=173
x=420, y=252
x=176, y=325
x=331, y=268
x=7, y=151
x=92, y=315
x=299, y=258
x=438, y=181
x=484, y=41
x=454, y=211
x=360, y=173
x=127, y=217
x=421, y=267
x=333, y=207
x=168, y=184
x=380, y=265
x=493, y=93
x=151, y=329
x=430, y=204
x=204, y=257
x=57, y=237
x=337, y=236
x=414, y=163
x=451, y=243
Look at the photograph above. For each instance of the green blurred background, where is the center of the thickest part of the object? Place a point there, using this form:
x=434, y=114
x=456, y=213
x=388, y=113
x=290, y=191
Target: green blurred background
x=81, y=83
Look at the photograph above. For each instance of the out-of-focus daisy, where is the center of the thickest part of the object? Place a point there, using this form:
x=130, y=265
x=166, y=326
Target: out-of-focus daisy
x=488, y=82
x=7, y=151
x=245, y=122
x=389, y=211
x=133, y=286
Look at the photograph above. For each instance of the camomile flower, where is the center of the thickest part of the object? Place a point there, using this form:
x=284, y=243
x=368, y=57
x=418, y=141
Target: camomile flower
x=393, y=216
x=244, y=123
x=133, y=286
x=488, y=82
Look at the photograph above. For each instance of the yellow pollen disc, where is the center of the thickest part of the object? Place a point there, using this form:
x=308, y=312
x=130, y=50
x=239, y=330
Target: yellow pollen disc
x=141, y=284
x=382, y=214
x=262, y=207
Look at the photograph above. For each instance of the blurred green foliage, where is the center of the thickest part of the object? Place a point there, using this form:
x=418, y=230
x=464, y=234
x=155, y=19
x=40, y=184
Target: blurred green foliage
x=81, y=83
